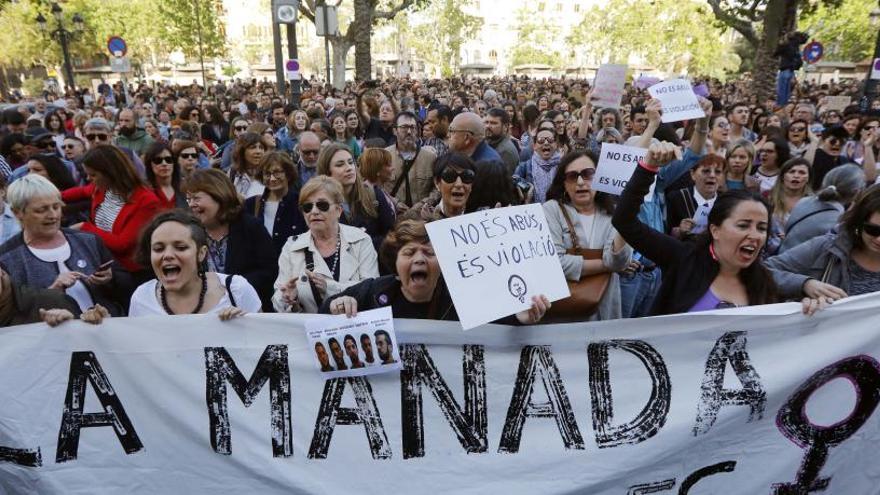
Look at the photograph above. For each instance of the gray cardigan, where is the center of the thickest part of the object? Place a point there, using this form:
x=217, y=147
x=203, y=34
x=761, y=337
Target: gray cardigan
x=793, y=268
x=810, y=217
x=87, y=252
x=601, y=237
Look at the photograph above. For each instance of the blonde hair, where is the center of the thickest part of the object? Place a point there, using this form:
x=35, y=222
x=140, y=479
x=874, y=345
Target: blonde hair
x=361, y=198
x=322, y=183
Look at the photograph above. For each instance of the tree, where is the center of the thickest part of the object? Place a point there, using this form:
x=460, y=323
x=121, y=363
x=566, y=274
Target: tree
x=845, y=30
x=533, y=40
x=668, y=46
x=358, y=33
x=439, y=40
x=189, y=24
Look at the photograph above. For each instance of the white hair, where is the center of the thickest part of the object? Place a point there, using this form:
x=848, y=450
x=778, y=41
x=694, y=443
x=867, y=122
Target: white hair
x=31, y=186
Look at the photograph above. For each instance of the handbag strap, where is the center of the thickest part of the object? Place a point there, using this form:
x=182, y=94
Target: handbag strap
x=827, y=273
x=575, y=244
x=310, y=266
x=407, y=166
x=229, y=291
x=801, y=219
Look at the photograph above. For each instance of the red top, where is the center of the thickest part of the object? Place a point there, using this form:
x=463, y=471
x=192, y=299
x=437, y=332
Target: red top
x=164, y=202
x=140, y=208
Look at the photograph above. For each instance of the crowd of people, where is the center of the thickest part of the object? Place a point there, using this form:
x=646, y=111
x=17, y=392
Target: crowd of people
x=230, y=199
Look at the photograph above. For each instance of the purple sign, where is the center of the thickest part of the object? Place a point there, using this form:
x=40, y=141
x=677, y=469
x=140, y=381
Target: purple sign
x=701, y=90
x=292, y=65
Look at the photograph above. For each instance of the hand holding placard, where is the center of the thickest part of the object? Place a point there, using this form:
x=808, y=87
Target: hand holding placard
x=678, y=99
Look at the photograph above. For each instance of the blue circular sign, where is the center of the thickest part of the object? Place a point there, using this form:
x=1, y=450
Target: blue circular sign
x=117, y=44
x=813, y=52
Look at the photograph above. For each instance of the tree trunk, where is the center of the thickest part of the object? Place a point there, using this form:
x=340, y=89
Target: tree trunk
x=363, y=26
x=779, y=19
x=340, y=47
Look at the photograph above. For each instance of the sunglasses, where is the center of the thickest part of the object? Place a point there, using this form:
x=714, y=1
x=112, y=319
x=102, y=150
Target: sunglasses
x=191, y=156
x=163, y=159
x=449, y=176
x=545, y=140
x=97, y=137
x=323, y=206
x=798, y=129
x=871, y=229
x=309, y=152
x=586, y=174
x=241, y=128
x=68, y=146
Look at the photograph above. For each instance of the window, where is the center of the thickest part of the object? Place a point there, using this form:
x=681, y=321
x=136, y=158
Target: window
x=493, y=54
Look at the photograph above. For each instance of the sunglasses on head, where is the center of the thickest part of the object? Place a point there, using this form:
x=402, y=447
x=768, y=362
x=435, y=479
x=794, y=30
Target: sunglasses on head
x=449, y=176
x=323, y=206
x=190, y=156
x=162, y=159
x=586, y=174
x=871, y=229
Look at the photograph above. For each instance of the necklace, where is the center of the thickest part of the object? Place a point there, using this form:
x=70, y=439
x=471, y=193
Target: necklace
x=164, y=298
x=336, y=254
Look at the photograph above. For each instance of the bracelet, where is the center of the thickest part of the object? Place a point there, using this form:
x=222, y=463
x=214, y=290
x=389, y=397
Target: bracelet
x=649, y=168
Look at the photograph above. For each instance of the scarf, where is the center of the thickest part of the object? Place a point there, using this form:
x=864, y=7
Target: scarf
x=542, y=174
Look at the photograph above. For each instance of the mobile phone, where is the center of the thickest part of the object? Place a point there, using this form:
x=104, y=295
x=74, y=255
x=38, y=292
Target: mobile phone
x=104, y=266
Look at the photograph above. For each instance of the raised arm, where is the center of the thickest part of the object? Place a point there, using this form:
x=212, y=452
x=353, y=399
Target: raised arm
x=652, y=108
x=701, y=131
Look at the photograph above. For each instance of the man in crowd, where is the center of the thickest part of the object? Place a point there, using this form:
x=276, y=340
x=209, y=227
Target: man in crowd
x=412, y=178
x=437, y=123
x=278, y=121
x=638, y=118
x=129, y=136
x=738, y=117
x=308, y=149
x=497, y=135
x=98, y=132
x=73, y=149
x=467, y=135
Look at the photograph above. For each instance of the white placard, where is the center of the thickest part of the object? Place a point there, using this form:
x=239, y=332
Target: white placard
x=701, y=219
x=608, y=89
x=678, y=99
x=495, y=260
x=837, y=102
x=616, y=165
x=362, y=345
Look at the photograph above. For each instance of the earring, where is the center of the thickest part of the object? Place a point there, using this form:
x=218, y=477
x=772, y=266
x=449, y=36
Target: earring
x=858, y=231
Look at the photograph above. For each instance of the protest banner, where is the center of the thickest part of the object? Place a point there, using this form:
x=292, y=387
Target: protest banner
x=744, y=401
x=838, y=103
x=643, y=82
x=358, y=346
x=494, y=261
x=616, y=165
x=678, y=100
x=608, y=88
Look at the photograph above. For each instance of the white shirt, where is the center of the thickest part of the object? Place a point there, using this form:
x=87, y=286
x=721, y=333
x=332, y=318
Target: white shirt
x=145, y=300
x=703, y=201
x=270, y=209
x=78, y=291
x=587, y=223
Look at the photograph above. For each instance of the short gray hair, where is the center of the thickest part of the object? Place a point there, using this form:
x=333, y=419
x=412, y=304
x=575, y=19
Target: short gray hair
x=31, y=186
x=842, y=184
x=98, y=123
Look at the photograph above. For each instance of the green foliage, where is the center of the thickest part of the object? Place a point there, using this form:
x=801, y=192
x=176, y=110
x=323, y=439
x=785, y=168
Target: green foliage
x=532, y=39
x=182, y=21
x=439, y=42
x=230, y=70
x=672, y=35
x=845, y=30
x=32, y=86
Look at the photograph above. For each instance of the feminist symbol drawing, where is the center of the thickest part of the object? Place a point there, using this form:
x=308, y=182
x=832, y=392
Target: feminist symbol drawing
x=517, y=287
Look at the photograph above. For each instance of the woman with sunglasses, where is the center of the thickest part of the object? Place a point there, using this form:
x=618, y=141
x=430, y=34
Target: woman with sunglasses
x=539, y=170
x=364, y=206
x=826, y=154
x=238, y=127
x=578, y=215
x=186, y=156
x=454, y=175
x=278, y=206
x=798, y=137
x=865, y=141
x=835, y=265
x=327, y=259
x=163, y=174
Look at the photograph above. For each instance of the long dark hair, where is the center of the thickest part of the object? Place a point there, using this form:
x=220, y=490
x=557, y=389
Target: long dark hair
x=492, y=185
x=757, y=279
x=154, y=151
x=116, y=167
x=56, y=170
x=603, y=201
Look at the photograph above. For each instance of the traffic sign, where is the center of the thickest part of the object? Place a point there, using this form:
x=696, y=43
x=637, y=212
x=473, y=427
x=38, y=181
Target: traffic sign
x=813, y=52
x=291, y=69
x=286, y=11
x=120, y=64
x=117, y=44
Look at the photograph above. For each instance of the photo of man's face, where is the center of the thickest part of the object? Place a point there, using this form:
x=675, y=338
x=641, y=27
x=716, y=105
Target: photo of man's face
x=321, y=352
x=384, y=347
x=336, y=351
x=367, y=346
x=351, y=349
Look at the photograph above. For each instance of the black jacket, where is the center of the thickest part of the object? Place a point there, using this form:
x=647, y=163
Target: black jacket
x=789, y=55
x=251, y=254
x=375, y=227
x=680, y=204
x=289, y=219
x=210, y=134
x=688, y=267
x=384, y=291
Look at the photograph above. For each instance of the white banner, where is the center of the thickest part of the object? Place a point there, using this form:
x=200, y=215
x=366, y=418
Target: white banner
x=749, y=401
x=678, y=100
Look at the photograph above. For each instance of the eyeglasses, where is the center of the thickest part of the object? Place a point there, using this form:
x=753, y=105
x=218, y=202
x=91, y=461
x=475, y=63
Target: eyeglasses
x=162, y=159
x=586, y=174
x=545, y=140
x=323, y=206
x=190, y=156
x=309, y=152
x=98, y=137
x=871, y=229
x=798, y=129
x=834, y=141
x=449, y=176
x=274, y=174
x=407, y=128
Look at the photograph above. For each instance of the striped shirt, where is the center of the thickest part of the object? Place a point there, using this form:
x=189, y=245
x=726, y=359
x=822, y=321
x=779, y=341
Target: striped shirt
x=108, y=210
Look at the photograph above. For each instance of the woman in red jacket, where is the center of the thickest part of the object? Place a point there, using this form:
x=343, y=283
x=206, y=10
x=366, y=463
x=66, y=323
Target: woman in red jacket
x=121, y=203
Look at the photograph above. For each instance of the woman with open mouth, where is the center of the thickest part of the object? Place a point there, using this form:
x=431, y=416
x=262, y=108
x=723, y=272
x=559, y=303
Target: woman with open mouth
x=720, y=268
x=175, y=245
x=416, y=289
x=579, y=216
x=688, y=208
x=327, y=259
x=793, y=186
x=833, y=266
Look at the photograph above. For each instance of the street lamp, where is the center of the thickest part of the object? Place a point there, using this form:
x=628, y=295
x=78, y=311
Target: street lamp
x=63, y=36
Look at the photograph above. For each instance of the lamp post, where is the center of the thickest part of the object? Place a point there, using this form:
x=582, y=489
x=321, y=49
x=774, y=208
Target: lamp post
x=871, y=85
x=64, y=36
